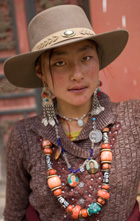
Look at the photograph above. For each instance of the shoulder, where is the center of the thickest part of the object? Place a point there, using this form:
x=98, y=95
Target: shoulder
x=27, y=123
x=128, y=114
x=130, y=107
x=21, y=131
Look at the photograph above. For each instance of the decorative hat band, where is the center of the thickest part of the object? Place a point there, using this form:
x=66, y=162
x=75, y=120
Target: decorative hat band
x=63, y=36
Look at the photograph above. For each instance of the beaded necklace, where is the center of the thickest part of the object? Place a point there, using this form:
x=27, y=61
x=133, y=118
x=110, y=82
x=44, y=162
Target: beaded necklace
x=79, y=120
x=54, y=182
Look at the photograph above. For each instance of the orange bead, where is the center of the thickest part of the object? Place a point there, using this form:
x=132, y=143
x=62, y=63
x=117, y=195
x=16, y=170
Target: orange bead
x=47, y=151
x=46, y=143
x=106, y=129
x=51, y=172
x=105, y=146
x=105, y=186
x=101, y=201
x=106, y=166
x=54, y=181
x=76, y=211
x=103, y=194
x=57, y=192
x=69, y=209
x=106, y=155
x=84, y=213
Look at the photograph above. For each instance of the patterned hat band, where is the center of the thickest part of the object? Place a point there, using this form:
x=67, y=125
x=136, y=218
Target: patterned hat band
x=63, y=36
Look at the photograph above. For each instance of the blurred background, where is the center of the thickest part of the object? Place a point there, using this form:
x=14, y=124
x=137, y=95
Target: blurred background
x=121, y=79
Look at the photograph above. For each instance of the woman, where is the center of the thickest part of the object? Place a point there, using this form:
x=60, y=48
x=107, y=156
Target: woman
x=79, y=125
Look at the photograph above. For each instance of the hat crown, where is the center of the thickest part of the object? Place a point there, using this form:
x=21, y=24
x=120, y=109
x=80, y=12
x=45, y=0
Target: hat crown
x=55, y=19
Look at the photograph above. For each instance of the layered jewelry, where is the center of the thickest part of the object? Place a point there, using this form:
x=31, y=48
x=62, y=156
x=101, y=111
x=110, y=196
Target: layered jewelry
x=54, y=182
x=91, y=164
x=95, y=110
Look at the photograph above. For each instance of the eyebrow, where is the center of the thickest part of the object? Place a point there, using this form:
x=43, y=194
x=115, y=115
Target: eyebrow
x=84, y=48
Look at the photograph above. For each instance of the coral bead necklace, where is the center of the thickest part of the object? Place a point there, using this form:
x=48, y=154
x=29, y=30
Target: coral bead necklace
x=54, y=182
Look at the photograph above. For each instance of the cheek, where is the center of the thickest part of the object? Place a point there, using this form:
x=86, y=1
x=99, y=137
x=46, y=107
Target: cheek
x=59, y=80
x=56, y=82
x=93, y=73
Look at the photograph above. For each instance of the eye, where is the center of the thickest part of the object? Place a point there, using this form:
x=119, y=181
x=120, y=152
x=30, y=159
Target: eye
x=86, y=58
x=59, y=63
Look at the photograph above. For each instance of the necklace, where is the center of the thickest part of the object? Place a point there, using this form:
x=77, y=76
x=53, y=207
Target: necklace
x=91, y=164
x=54, y=182
x=79, y=120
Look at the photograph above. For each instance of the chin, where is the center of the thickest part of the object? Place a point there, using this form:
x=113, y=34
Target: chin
x=79, y=103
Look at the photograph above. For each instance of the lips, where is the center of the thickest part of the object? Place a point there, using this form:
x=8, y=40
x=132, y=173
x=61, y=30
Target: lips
x=78, y=88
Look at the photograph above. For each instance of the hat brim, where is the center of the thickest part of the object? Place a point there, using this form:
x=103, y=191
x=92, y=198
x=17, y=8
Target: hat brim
x=20, y=69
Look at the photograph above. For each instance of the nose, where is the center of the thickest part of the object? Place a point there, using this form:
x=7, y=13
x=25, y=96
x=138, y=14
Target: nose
x=77, y=73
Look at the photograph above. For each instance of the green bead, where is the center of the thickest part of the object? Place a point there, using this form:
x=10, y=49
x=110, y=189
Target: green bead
x=94, y=208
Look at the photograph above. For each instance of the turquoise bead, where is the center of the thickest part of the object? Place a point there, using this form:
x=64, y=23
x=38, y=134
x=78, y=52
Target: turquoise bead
x=94, y=208
x=46, y=100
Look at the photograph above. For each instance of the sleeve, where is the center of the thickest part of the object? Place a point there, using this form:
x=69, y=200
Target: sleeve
x=17, y=187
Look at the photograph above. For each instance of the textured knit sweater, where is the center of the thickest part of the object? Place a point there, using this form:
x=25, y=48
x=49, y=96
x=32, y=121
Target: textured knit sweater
x=26, y=166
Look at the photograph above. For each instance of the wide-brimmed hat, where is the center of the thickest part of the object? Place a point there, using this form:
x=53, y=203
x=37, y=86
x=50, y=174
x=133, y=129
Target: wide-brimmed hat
x=58, y=26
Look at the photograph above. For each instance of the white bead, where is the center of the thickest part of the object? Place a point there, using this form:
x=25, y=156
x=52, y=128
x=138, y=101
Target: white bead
x=80, y=123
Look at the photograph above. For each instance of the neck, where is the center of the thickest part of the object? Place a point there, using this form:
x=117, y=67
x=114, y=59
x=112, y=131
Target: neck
x=73, y=111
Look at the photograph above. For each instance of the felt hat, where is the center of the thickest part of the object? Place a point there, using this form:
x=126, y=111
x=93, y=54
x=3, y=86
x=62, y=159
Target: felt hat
x=58, y=26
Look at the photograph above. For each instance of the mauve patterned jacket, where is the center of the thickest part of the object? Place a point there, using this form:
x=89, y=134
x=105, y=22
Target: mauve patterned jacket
x=26, y=166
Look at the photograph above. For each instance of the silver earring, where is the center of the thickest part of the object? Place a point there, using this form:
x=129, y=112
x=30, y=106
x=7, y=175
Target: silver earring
x=96, y=107
x=49, y=116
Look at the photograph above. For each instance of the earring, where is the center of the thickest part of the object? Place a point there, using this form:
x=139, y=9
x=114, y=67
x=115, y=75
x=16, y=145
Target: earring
x=49, y=116
x=96, y=107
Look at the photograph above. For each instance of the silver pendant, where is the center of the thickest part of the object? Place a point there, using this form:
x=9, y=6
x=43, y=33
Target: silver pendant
x=97, y=137
x=92, y=166
x=73, y=180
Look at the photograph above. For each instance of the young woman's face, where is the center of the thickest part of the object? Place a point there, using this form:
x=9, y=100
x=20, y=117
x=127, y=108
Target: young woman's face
x=75, y=71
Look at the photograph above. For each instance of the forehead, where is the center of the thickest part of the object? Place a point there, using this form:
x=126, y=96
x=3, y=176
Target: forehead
x=77, y=46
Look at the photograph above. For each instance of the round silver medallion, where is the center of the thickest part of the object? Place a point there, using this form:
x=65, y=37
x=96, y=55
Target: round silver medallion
x=97, y=137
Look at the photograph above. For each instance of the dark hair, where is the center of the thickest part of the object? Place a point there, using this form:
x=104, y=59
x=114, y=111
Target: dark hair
x=40, y=62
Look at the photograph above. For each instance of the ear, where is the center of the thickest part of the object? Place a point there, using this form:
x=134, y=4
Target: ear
x=39, y=73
